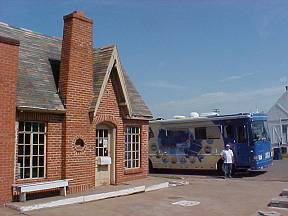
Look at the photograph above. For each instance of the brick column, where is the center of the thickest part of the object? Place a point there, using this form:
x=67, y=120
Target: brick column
x=76, y=91
x=9, y=55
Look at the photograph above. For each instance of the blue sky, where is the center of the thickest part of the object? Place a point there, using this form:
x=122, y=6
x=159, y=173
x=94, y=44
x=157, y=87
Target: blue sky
x=183, y=55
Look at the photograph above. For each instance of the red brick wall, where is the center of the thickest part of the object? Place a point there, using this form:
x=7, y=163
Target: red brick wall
x=76, y=90
x=109, y=107
x=9, y=55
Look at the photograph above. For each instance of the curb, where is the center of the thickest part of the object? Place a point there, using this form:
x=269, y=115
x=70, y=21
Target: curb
x=88, y=198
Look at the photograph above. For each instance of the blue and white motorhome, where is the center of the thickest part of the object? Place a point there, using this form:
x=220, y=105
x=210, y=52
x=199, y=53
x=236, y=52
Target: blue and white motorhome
x=197, y=142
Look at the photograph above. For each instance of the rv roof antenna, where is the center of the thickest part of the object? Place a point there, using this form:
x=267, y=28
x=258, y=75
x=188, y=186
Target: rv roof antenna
x=257, y=109
x=216, y=110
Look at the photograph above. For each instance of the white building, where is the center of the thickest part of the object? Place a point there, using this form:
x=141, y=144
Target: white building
x=278, y=121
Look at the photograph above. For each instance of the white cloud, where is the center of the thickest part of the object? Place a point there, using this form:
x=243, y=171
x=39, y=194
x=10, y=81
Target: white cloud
x=236, y=77
x=227, y=102
x=164, y=84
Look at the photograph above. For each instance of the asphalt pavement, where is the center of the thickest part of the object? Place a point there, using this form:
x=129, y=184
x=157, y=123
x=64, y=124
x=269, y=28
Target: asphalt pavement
x=206, y=194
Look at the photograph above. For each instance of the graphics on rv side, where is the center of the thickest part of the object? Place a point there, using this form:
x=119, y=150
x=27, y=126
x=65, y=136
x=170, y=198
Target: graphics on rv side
x=197, y=142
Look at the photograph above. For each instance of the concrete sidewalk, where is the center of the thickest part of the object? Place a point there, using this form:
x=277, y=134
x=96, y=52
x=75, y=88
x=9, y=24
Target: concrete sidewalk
x=98, y=193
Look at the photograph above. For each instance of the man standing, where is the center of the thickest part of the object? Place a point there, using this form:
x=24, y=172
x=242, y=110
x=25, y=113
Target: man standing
x=228, y=157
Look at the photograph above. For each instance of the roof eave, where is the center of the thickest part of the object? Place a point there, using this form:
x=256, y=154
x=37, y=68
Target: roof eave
x=40, y=109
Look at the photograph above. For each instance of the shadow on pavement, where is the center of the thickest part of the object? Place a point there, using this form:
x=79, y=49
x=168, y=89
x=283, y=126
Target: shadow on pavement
x=206, y=173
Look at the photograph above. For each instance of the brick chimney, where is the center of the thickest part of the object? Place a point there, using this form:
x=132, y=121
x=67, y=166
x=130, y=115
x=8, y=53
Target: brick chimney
x=9, y=56
x=76, y=91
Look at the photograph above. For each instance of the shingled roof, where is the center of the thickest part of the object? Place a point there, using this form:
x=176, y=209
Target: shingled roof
x=279, y=111
x=38, y=73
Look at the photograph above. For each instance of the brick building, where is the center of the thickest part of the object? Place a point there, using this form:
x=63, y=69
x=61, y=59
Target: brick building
x=68, y=111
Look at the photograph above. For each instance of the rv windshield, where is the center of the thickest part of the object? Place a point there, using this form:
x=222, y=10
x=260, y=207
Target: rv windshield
x=260, y=130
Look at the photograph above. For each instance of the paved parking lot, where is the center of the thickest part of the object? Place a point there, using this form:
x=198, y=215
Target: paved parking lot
x=243, y=195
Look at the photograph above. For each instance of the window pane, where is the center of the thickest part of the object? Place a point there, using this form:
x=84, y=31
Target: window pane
x=35, y=149
x=20, y=149
x=27, y=138
x=129, y=164
x=21, y=126
x=42, y=127
x=34, y=172
x=100, y=143
x=41, y=161
x=41, y=138
x=228, y=133
x=27, y=161
x=21, y=174
x=27, y=173
x=41, y=149
x=105, y=152
x=27, y=126
x=35, y=138
x=105, y=133
x=20, y=161
x=241, y=134
x=129, y=138
x=100, y=152
x=27, y=149
x=35, y=161
x=20, y=138
x=41, y=171
x=35, y=127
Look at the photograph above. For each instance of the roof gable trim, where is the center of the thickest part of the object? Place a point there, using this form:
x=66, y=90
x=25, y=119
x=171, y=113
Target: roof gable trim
x=114, y=62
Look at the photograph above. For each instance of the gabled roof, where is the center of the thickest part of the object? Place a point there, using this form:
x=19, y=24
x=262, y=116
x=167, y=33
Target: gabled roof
x=280, y=109
x=105, y=59
x=38, y=74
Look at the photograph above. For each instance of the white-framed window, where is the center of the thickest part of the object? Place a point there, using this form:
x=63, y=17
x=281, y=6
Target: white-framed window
x=132, y=147
x=31, y=140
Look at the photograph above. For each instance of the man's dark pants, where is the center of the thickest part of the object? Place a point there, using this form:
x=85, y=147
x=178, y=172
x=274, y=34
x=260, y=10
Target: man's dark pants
x=227, y=169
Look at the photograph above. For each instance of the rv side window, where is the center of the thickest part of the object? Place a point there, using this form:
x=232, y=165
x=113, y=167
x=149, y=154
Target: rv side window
x=200, y=133
x=228, y=132
x=241, y=135
x=213, y=132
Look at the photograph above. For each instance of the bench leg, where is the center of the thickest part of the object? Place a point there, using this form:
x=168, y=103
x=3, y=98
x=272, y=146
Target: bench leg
x=63, y=191
x=22, y=197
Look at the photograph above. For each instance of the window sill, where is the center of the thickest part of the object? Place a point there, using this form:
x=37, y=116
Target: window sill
x=133, y=171
x=30, y=180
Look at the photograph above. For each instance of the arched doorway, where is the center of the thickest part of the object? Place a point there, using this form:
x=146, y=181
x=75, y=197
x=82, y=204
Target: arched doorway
x=105, y=154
